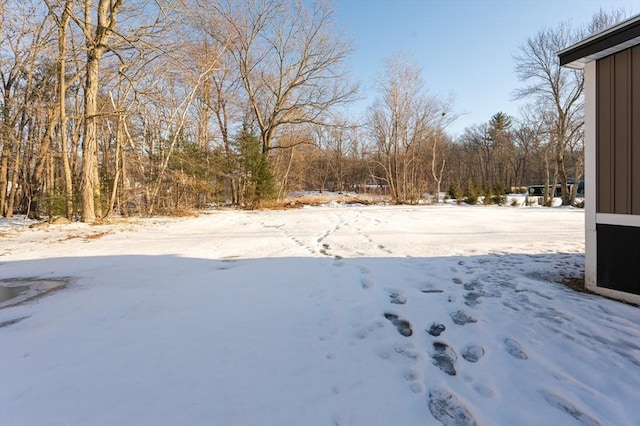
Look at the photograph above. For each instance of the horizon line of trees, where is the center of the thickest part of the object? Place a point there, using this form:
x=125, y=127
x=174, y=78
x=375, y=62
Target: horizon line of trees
x=136, y=107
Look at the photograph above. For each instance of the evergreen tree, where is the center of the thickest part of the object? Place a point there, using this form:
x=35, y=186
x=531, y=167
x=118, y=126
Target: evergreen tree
x=259, y=183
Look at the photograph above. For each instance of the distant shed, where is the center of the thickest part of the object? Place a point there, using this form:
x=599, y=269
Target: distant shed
x=611, y=63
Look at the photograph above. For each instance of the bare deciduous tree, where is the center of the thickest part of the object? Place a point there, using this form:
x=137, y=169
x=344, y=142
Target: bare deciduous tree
x=290, y=61
x=97, y=35
x=401, y=121
x=62, y=19
x=24, y=79
x=558, y=91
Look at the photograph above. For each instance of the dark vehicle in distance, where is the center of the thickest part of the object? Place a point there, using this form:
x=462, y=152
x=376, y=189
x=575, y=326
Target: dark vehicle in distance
x=539, y=190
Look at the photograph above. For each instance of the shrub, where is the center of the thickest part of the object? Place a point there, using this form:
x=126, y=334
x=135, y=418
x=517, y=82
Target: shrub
x=471, y=195
x=456, y=193
x=471, y=199
x=499, y=189
x=499, y=199
x=487, y=194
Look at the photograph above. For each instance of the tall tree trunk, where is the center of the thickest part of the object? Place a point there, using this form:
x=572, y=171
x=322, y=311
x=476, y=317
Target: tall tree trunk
x=118, y=164
x=37, y=178
x=62, y=100
x=285, y=178
x=97, y=40
x=6, y=138
x=14, y=182
x=4, y=170
x=90, y=142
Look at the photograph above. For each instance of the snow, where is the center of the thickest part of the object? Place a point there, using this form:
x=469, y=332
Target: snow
x=314, y=316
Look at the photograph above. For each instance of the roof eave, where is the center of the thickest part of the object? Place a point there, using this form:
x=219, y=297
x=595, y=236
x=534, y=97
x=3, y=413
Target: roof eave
x=619, y=37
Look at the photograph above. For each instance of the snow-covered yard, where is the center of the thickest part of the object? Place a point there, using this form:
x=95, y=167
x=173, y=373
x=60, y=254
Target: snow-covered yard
x=335, y=315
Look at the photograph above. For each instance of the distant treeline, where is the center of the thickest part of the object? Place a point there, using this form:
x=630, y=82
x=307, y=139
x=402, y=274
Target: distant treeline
x=114, y=107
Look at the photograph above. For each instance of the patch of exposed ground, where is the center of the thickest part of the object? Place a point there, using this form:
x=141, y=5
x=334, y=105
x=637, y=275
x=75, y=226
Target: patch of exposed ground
x=575, y=284
x=27, y=289
x=578, y=284
x=87, y=237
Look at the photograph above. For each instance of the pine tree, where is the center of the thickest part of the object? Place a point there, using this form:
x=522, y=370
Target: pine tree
x=259, y=183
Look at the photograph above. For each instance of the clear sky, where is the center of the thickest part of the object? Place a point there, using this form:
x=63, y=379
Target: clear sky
x=465, y=47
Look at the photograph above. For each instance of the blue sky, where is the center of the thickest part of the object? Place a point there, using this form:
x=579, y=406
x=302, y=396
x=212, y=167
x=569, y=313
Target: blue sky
x=465, y=47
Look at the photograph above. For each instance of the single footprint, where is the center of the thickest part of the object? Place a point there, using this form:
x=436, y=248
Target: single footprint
x=515, y=349
x=407, y=351
x=413, y=377
x=367, y=282
x=471, y=298
x=403, y=326
x=462, y=318
x=448, y=410
x=457, y=281
x=397, y=298
x=363, y=333
x=474, y=285
x=364, y=269
x=436, y=329
x=473, y=353
x=444, y=358
x=384, y=249
x=484, y=390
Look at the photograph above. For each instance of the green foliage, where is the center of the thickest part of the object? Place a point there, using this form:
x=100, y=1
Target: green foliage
x=55, y=204
x=255, y=167
x=471, y=195
x=500, y=122
x=495, y=195
x=265, y=185
x=471, y=200
x=487, y=193
x=499, y=199
x=191, y=160
x=456, y=193
x=191, y=175
x=500, y=189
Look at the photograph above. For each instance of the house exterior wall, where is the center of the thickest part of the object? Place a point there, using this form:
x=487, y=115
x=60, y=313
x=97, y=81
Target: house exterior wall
x=618, y=132
x=611, y=64
x=613, y=152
